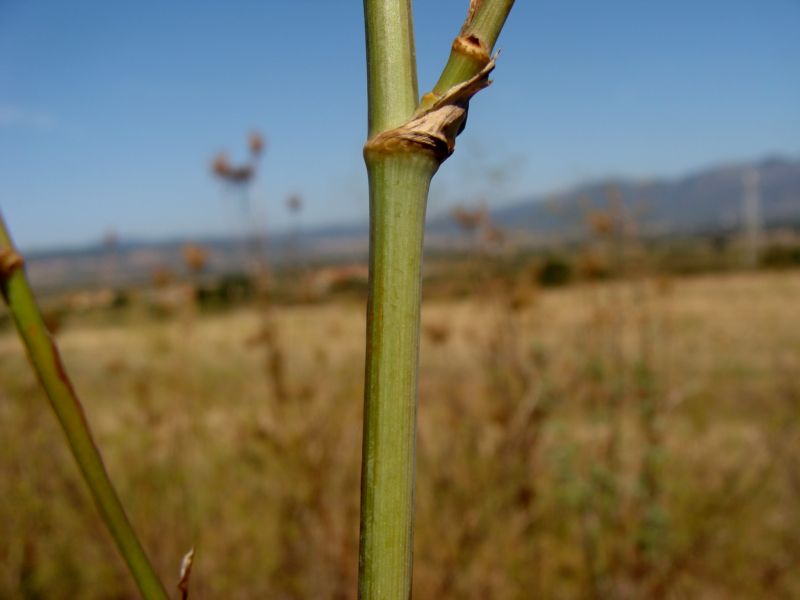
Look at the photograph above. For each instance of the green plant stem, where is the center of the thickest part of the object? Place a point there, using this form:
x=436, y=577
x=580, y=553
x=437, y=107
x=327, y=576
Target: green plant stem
x=391, y=63
x=484, y=27
x=399, y=179
x=45, y=360
x=398, y=196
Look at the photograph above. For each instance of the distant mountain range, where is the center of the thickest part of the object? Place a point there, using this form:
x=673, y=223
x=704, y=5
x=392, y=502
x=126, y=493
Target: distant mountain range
x=708, y=201
x=705, y=201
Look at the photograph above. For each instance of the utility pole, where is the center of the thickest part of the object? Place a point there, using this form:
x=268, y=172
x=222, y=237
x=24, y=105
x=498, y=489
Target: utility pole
x=751, y=216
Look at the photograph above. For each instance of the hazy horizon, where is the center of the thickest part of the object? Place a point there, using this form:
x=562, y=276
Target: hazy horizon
x=110, y=115
x=436, y=213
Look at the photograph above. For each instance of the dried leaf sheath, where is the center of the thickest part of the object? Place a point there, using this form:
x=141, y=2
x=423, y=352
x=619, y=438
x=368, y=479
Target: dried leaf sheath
x=433, y=130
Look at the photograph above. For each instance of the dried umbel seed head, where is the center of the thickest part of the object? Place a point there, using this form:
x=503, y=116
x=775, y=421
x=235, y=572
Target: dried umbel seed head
x=592, y=264
x=222, y=168
x=256, y=143
x=664, y=285
x=220, y=165
x=520, y=298
x=493, y=235
x=241, y=174
x=111, y=240
x=470, y=220
x=195, y=257
x=438, y=333
x=162, y=277
x=601, y=223
x=294, y=203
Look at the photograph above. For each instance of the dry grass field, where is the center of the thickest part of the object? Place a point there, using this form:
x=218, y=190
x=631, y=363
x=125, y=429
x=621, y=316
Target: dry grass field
x=623, y=440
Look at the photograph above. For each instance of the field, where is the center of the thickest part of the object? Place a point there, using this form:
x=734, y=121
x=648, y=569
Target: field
x=629, y=439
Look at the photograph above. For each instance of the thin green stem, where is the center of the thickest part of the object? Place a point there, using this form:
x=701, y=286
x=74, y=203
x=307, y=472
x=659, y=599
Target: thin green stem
x=391, y=63
x=483, y=28
x=489, y=19
x=45, y=360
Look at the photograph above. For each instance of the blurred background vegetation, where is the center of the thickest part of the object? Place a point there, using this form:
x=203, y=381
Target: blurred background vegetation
x=609, y=400
x=614, y=417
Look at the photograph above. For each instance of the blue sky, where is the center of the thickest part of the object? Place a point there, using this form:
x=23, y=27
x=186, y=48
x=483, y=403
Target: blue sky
x=111, y=111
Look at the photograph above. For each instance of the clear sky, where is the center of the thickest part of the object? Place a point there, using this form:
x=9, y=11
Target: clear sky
x=111, y=111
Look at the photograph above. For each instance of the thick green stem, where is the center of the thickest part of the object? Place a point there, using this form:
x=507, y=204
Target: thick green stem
x=398, y=195
x=45, y=359
x=401, y=164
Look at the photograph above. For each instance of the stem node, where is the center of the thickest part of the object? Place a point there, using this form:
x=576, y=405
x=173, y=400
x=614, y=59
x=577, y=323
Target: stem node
x=10, y=261
x=432, y=130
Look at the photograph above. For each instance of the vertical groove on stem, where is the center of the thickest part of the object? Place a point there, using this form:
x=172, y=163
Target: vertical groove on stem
x=45, y=360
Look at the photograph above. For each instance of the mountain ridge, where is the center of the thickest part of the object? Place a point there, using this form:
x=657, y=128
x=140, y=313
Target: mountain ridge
x=704, y=200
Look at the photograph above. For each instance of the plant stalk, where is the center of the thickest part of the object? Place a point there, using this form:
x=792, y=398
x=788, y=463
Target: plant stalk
x=479, y=35
x=43, y=355
x=391, y=63
x=398, y=196
x=400, y=170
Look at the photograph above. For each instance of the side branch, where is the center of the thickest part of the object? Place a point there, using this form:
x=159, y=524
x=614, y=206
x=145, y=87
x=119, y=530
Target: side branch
x=471, y=49
x=46, y=362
